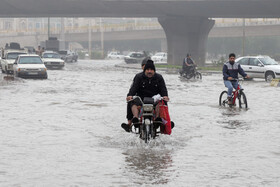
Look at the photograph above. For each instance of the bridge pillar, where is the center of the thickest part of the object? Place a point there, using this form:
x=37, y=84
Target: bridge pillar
x=163, y=45
x=186, y=35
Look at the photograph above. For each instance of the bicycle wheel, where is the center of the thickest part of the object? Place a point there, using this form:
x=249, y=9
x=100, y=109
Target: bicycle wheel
x=223, y=101
x=198, y=75
x=242, y=100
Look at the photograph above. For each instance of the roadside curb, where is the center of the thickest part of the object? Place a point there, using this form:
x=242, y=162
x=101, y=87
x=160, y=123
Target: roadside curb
x=168, y=70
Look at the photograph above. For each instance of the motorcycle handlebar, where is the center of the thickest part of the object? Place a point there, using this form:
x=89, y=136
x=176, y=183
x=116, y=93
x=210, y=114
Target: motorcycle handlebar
x=137, y=97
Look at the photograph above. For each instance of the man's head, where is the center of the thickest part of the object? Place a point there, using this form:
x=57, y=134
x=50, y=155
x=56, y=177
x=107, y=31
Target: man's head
x=231, y=57
x=144, y=61
x=188, y=55
x=149, y=69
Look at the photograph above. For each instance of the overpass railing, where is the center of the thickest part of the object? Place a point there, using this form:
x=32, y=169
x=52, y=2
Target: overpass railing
x=132, y=27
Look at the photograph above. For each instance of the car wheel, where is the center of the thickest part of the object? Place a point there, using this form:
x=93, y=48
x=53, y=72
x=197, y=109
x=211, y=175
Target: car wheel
x=269, y=76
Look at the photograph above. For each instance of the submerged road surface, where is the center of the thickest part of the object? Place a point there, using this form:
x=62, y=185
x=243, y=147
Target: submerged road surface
x=65, y=131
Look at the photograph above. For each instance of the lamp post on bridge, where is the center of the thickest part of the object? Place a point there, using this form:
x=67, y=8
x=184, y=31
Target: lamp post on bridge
x=89, y=38
x=48, y=27
x=243, y=38
x=101, y=37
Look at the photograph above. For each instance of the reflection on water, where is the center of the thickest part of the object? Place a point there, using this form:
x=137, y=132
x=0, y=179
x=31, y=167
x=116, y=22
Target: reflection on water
x=65, y=131
x=148, y=166
x=231, y=118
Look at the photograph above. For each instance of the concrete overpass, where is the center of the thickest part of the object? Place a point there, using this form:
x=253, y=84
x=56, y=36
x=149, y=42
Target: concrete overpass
x=142, y=34
x=186, y=23
x=81, y=35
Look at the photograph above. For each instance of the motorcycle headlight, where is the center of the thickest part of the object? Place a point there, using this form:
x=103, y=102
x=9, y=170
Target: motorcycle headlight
x=148, y=108
x=147, y=121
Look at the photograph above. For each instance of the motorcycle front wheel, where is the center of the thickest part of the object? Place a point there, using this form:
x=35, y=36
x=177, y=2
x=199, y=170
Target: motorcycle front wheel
x=198, y=75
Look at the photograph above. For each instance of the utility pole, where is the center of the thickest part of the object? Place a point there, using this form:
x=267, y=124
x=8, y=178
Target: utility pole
x=102, y=37
x=48, y=27
x=89, y=38
x=243, y=38
x=62, y=33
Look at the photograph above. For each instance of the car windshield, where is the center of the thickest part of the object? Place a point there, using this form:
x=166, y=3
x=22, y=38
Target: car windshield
x=268, y=61
x=51, y=55
x=159, y=54
x=30, y=60
x=62, y=52
x=14, y=55
x=137, y=55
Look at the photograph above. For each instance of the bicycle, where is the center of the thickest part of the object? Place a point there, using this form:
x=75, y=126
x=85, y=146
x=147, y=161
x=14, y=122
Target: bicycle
x=236, y=94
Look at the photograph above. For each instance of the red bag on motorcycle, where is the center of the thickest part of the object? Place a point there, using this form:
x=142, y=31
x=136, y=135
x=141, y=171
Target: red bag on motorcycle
x=164, y=114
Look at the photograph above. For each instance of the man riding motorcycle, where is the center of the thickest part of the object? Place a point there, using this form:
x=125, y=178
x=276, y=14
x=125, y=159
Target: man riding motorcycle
x=146, y=84
x=188, y=64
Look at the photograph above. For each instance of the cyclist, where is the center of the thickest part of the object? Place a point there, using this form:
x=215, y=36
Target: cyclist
x=188, y=64
x=145, y=84
x=230, y=73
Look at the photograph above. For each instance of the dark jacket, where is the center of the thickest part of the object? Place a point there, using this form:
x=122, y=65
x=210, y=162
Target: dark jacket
x=232, y=70
x=189, y=61
x=143, y=86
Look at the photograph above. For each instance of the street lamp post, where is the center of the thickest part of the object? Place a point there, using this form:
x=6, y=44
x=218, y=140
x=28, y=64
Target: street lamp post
x=101, y=37
x=89, y=38
x=243, y=38
x=48, y=27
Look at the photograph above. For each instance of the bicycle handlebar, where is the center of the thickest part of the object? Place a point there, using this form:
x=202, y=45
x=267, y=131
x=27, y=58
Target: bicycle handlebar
x=237, y=79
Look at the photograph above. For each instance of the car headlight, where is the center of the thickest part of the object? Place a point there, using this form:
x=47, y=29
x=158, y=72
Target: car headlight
x=43, y=69
x=21, y=69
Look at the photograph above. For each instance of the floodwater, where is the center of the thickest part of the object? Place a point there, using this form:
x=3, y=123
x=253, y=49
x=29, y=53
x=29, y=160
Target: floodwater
x=65, y=131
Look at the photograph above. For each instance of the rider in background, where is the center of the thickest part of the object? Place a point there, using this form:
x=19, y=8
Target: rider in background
x=230, y=73
x=188, y=63
x=145, y=84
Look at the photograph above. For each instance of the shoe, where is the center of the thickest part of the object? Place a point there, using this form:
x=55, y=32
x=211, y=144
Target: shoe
x=158, y=119
x=229, y=101
x=135, y=120
x=172, y=124
x=157, y=122
x=126, y=127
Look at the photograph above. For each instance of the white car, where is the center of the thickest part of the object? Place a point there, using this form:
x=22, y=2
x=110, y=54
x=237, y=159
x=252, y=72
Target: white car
x=31, y=66
x=8, y=60
x=260, y=67
x=52, y=60
x=160, y=57
x=115, y=55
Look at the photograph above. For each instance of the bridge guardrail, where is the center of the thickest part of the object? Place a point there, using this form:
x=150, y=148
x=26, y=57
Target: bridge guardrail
x=126, y=27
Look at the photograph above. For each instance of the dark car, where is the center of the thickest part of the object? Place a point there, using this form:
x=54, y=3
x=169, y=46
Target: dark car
x=135, y=57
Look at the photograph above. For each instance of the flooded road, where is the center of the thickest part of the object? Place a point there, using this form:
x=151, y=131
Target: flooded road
x=65, y=131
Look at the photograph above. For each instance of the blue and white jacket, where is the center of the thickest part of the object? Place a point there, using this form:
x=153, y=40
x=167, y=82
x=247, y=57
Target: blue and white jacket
x=232, y=70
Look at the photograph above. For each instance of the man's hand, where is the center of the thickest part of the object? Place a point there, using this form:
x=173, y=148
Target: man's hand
x=247, y=77
x=229, y=78
x=128, y=98
x=165, y=98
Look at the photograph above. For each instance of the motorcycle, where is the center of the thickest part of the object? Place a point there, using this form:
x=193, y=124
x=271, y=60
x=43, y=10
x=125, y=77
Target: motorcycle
x=193, y=73
x=148, y=126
